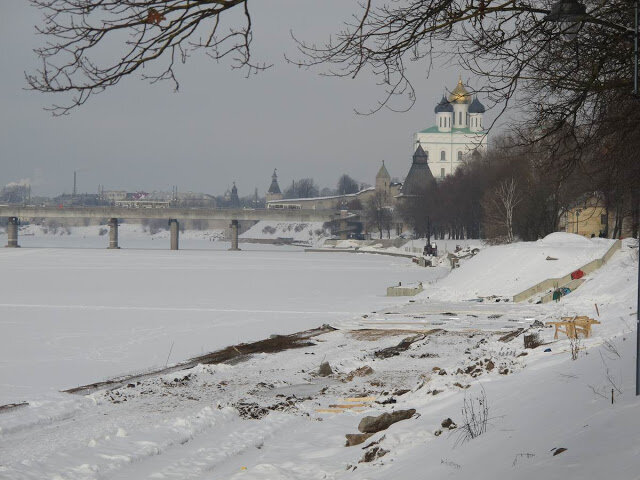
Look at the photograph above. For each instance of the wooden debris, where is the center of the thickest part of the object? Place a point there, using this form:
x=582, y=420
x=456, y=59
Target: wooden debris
x=572, y=327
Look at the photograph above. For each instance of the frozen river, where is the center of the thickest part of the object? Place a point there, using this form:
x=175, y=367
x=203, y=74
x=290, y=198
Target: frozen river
x=71, y=316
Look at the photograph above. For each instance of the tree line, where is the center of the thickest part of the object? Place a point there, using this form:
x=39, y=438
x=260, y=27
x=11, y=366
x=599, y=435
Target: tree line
x=520, y=190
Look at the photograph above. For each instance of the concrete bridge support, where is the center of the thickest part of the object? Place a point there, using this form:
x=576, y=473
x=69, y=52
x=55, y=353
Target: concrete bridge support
x=113, y=234
x=343, y=227
x=234, y=235
x=174, y=230
x=12, y=233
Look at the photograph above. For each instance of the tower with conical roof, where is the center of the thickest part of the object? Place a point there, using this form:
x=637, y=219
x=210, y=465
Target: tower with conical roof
x=234, y=200
x=383, y=182
x=458, y=132
x=419, y=179
x=274, y=192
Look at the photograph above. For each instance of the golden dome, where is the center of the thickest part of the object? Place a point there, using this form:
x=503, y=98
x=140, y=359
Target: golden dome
x=460, y=94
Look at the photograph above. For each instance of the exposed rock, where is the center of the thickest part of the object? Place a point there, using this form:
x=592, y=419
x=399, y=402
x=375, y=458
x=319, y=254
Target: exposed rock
x=448, y=423
x=251, y=411
x=375, y=442
x=442, y=372
x=375, y=452
x=490, y=366
x=401, y=347
x=384, y=421
x=359, y=372
x=558, y=451
x=401, y=392
x=356, y=438
x=325, y=369
x=387, y=401
x=437, y=433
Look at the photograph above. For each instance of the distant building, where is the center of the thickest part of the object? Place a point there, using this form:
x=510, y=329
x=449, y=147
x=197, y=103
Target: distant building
x=352, y=201
x=113, y=195
x=274, y=192
x=419, y=178
x=588, y=217
x=458, y=132
x=234, y=200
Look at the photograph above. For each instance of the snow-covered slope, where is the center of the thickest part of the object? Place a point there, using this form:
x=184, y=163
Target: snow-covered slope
x=270, y=416
x=506, y=270
x=311, y=232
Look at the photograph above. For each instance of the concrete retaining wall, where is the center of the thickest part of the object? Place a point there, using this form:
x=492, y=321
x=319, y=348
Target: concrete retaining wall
x=385, y=242
x=344, y=250
x=398, y=291
x=551, y=283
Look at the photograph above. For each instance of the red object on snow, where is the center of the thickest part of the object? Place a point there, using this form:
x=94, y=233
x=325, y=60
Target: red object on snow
x=577, y=274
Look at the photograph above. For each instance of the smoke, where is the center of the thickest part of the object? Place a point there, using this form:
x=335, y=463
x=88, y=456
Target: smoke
x=23, y=182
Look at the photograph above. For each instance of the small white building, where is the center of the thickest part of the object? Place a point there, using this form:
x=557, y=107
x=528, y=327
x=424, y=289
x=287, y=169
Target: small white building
x=458, y=131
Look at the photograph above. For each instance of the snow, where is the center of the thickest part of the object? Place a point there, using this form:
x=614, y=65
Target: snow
x=506, y=270
x=188, y=424
x=310, y=232
x=76, y=316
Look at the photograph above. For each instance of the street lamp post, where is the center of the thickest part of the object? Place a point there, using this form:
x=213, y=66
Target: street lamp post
x=573, y=13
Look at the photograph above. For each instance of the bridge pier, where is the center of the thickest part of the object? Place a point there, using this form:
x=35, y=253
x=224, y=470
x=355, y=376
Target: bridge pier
x=174, y=230
x=12, y=233
x=234, y=235
x=343, y=226
x=113, y=234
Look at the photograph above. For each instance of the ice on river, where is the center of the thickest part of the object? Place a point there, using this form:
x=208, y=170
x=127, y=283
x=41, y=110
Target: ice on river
x=71, y=316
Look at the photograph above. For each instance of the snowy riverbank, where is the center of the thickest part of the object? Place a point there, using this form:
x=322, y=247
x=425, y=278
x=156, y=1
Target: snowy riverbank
x=272, y=417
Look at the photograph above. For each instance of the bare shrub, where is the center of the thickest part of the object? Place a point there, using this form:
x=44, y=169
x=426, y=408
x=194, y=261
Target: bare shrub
x=610, y=347
x=269, y=229
x=575, y=344
x=475, y=414
x=102, y=231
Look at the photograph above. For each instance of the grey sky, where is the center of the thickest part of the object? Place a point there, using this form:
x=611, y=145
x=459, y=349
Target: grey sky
x=221, y=127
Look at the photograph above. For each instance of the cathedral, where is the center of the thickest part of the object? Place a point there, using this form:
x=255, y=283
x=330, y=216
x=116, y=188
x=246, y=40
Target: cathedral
x=458, y=131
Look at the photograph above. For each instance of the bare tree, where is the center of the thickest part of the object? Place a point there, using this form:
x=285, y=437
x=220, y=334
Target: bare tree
x=80, y=36
x=347, y=185
x=378, y=214
x=303, y=188
x=500, y=204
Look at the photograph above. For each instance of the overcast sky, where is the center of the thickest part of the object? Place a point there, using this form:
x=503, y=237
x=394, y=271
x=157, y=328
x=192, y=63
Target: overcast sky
x=220, y=127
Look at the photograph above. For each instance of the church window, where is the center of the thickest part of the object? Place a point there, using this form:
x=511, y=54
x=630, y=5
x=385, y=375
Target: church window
x=460, y=118
x=443, y=156
x=442, y=173
x=459, y=156
x=440, y=121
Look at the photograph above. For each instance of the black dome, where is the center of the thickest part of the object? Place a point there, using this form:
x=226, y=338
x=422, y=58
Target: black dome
x=444, y=106
x=476, y=106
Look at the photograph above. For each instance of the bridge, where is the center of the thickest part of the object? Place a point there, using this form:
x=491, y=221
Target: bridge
x=172, y=215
